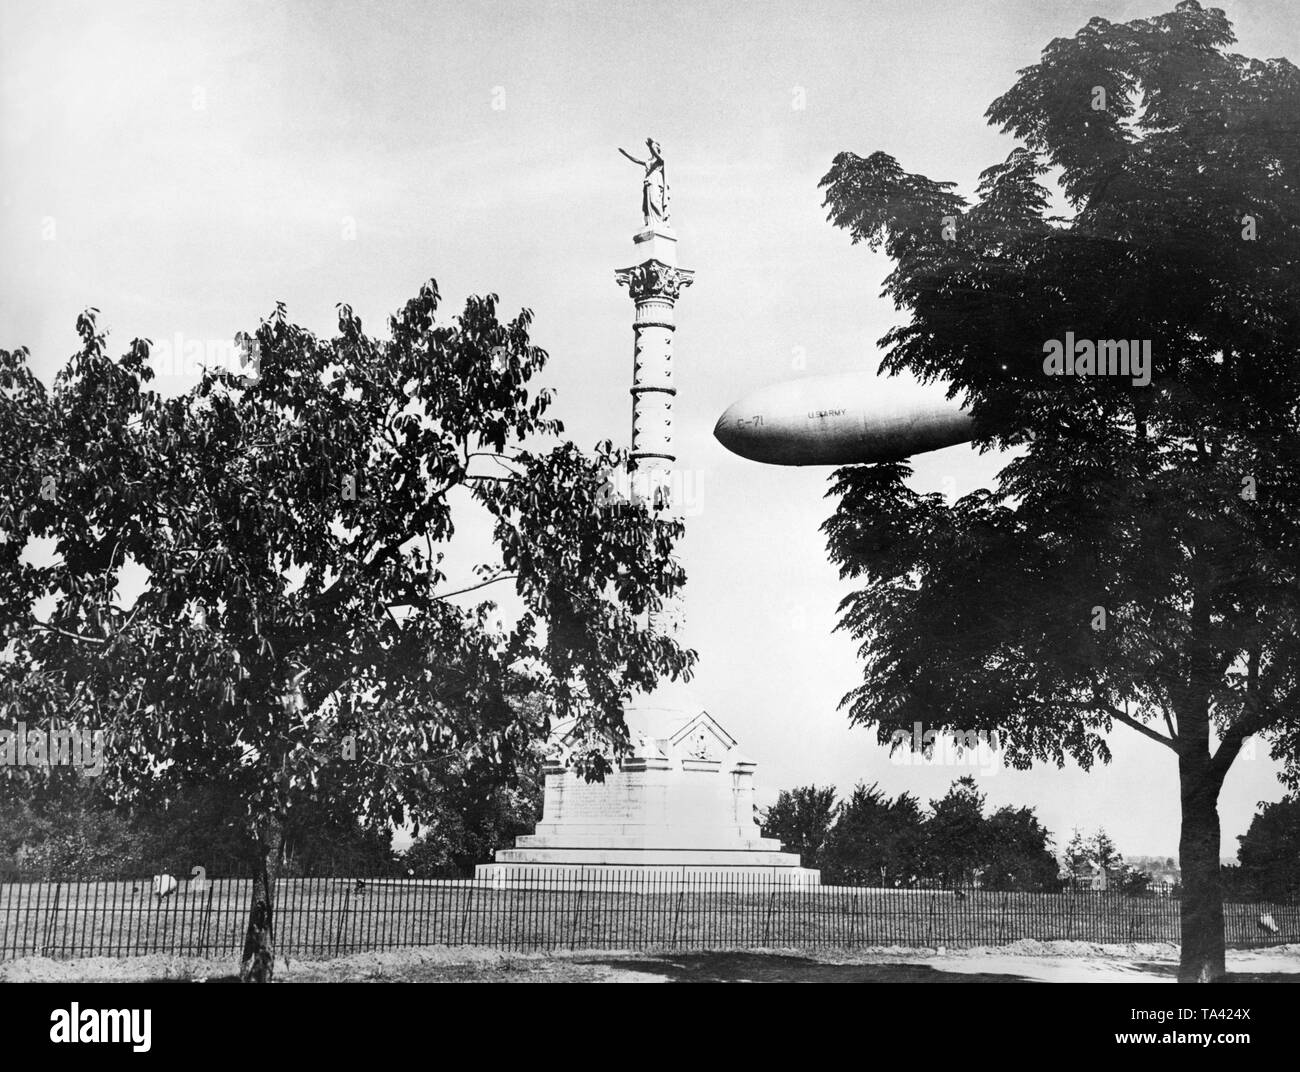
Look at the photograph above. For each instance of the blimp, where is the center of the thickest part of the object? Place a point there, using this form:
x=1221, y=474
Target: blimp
x=843, y=419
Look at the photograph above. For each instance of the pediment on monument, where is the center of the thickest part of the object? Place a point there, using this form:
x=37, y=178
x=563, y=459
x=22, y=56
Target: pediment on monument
x=702, y=738
x=568, y=738
x=691, y=742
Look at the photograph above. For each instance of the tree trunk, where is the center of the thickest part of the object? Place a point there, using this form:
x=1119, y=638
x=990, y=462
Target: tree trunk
x=1202, y=959
x=258, y=960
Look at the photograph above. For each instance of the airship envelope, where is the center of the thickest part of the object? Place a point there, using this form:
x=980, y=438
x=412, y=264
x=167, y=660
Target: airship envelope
x=844, y=419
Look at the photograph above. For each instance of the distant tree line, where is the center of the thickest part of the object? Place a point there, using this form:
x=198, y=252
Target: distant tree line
x=63, y=828
x=874, y=840
x=68, y=831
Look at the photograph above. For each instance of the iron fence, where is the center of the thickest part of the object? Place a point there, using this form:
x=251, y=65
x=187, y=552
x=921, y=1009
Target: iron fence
x=320, y=917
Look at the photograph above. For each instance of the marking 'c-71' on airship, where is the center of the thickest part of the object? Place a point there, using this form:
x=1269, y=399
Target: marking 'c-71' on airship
x=844, y=419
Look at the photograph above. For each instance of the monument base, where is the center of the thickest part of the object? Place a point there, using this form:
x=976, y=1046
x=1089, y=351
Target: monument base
x=678, y=809
x=648, y=878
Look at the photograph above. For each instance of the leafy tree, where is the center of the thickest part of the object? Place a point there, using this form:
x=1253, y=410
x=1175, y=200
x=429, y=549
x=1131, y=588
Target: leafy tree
x=62, y=829
x=1104, y=853
x=1078, y=854
x=1132, y=880
x=75, y=833
x=429, y=856
x=207, y=826
x=1269, y=851
x=872, y=840
x=1138, y=561
x=955, y=844
x=1235, y=888
x=475, y=812
x=875, y=841
x=297, y=640
x=1017, y=852
x=1085, y=856
x=331, y=847
x=802, y=818
x=203, y=826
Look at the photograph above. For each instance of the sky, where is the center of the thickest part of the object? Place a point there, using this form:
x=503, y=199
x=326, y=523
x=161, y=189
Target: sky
x=182, y=166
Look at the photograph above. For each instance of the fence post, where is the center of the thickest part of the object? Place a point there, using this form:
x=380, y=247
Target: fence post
x=50, y=913
x=206, y=925
x=929, y=922
x=577, y=911
x=343, y=915
x=1002, y=919
x=464, y=925
x=767, y=921
x=677, y=914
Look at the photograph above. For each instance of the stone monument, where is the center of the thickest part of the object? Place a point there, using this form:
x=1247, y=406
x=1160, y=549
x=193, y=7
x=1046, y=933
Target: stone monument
x=680, y=802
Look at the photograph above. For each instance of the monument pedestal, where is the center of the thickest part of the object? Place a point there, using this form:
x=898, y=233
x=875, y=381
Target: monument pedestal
x=657, y=243
x=679, y=805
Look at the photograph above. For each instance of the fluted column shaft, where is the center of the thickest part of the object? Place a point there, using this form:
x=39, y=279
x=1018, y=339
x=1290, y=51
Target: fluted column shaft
x=654, y=285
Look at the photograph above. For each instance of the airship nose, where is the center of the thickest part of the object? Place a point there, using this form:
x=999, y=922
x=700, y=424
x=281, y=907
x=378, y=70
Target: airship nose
x=734, y=431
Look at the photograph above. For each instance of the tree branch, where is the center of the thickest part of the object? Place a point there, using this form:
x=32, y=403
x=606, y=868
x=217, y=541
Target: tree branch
x=500, y=459
x=1253, y=716
x=1141, y=727
x=474, y=587
x=1164, y=710
x=70, y=636
x=1098, y=704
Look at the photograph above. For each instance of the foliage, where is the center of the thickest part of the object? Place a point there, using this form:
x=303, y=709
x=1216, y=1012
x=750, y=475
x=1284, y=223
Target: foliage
x=801, y=819
x=955, y=834
x=1104, y=851
x=1132, y=880
x=73, y=833
x=1078, y=853
x=875, y=841
x=1017, y=852
x=473, y=814
x=1269, y=851
x=67, y=832
x=1087, y=857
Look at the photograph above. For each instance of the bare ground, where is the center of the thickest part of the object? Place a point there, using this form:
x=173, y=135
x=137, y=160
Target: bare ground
x=1024, y=961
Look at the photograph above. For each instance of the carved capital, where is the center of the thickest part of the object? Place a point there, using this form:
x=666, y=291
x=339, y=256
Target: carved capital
x=654, y=279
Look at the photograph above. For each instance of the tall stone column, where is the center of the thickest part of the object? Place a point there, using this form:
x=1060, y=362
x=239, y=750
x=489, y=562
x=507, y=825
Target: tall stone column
x=654, y=283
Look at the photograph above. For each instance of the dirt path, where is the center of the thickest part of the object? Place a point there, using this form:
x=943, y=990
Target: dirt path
x=1020, y=962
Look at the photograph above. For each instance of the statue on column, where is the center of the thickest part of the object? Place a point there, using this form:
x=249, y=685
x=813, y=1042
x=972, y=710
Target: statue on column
x=654, y=187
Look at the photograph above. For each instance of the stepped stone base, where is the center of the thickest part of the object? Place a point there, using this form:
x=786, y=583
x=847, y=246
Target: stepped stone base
x=647, y=878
